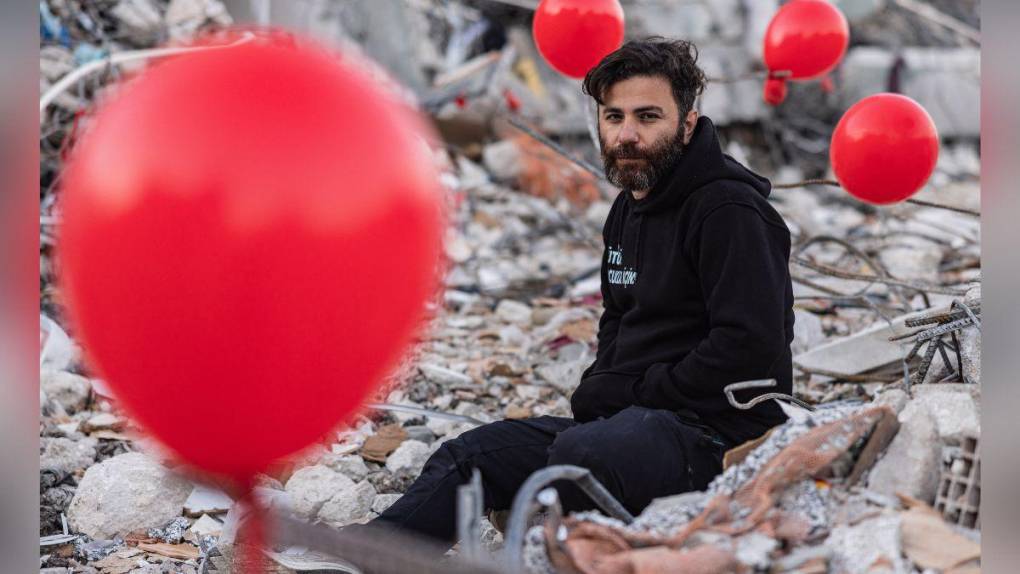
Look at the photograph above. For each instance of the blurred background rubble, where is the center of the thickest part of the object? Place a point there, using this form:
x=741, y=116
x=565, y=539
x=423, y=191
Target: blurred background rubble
x=887, y=299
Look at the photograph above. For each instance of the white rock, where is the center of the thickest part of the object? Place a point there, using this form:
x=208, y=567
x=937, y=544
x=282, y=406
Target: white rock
x=754, y=550
x=895, y=399
x=955, y=413
x=66, y=455
x=69, y=390
x=565, y=376
x=207, y=500
x=206, y=526
x=503, y=159
x=125, y=493
x=311, y=487
x=349, y=505
x=443, y=376
x=807, y=331
x=351, y=466
x=514, y=312
x=872, y=546
x=410, y=455
x=910, y=464
x=384, y=501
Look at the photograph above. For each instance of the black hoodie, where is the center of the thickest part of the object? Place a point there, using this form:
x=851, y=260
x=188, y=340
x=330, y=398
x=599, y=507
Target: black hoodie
x=697, y=294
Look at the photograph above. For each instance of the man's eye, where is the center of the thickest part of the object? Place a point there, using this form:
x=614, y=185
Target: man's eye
x=649, y=117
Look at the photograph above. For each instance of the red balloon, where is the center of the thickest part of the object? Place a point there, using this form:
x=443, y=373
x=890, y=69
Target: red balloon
x=250, y=235
x=574, y=35
x=807, y=38
x=884, y=148
x=775, y=91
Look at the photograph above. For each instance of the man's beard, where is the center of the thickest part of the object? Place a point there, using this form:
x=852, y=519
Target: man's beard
x=658, y=160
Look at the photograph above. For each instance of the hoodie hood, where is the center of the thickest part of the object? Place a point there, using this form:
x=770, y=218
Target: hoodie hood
x=701, y=163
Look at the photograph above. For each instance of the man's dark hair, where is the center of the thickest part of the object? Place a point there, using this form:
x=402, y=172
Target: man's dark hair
x=676, y=60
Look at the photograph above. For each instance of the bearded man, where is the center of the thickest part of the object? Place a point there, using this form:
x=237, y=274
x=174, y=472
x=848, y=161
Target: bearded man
x=696, y=293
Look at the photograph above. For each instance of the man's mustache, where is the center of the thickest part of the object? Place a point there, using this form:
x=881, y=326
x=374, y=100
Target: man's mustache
x=627, y=152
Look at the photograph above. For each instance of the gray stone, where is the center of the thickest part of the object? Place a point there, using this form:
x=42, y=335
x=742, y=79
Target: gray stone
x=352, y=466
x=443, y=376
x=125, y=493
x=349, y=505
x=912, y=258
x=502, y=159
x=872, y=546
x=69, y=390
x=564, y=376
x=807, y=331
x=895, y=399
x=384, y=501
x=66, y=455
x=955, y=413
x=514, y=312
x=857, y=10
x=910, y=464
x=410, y=455
x=754, y=550
x=311, y=487
x=421, y=433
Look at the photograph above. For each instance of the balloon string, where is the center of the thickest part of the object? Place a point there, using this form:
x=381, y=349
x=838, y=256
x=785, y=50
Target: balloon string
x=252, y=535
x=835, y=183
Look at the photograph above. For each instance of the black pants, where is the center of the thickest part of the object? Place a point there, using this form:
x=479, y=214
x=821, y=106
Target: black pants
x=638, y=454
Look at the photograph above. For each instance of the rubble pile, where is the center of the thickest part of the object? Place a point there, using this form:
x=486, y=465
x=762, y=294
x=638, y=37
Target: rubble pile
x=887, y=311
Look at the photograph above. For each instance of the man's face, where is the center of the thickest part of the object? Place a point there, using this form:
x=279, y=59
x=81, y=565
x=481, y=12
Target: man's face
x=639, y=132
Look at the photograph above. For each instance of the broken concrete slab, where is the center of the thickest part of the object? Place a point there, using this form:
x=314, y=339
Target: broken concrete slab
x=349, y=505
x=863, y=351
x=207, y=500
x=911, y=463
x=410, y=456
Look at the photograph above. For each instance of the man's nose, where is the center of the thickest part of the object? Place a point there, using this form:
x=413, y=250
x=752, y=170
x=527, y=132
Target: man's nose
x=628, y=133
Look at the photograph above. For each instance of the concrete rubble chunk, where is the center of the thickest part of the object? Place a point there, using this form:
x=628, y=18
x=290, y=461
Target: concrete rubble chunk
x=872, y=546
x=443, y=375
x=311, y=487
x=807, y=331
x=514, y=312
x=349, y=505
x=125, y=493
x=69, y=390
x=207, y=500
x=910, y=464
x=410, y=456
x=564, y=376
x=384, y=501
x=65, y=455
x=351, y=466
x=863, y=351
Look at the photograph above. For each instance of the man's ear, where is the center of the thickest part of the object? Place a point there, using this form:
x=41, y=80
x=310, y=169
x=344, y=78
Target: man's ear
x=689, y=123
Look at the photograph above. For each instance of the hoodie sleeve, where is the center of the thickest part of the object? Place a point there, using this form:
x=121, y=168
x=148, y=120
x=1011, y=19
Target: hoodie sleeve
x=743, y=267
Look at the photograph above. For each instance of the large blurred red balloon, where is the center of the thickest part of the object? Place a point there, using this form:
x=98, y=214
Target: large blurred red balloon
x=250, y=235
x=574, y=35
x=805, y=39
x=884, y=148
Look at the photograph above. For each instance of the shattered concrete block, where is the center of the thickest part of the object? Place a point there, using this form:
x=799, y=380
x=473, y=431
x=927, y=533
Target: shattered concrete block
x=564, y=376
x=351, y=466
x=955, y=413
x=912, y=258
x=311, y=487
x=514, y=312
x=411, y=455
x=349, y=505
x=872, y=546
x=807, y=331
x=384, y=501
x=443, y=375
x=911, y=463
x=125, y=493
x=69, y=390
x=65, y=455
x=503, y=160
x=896, y=399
